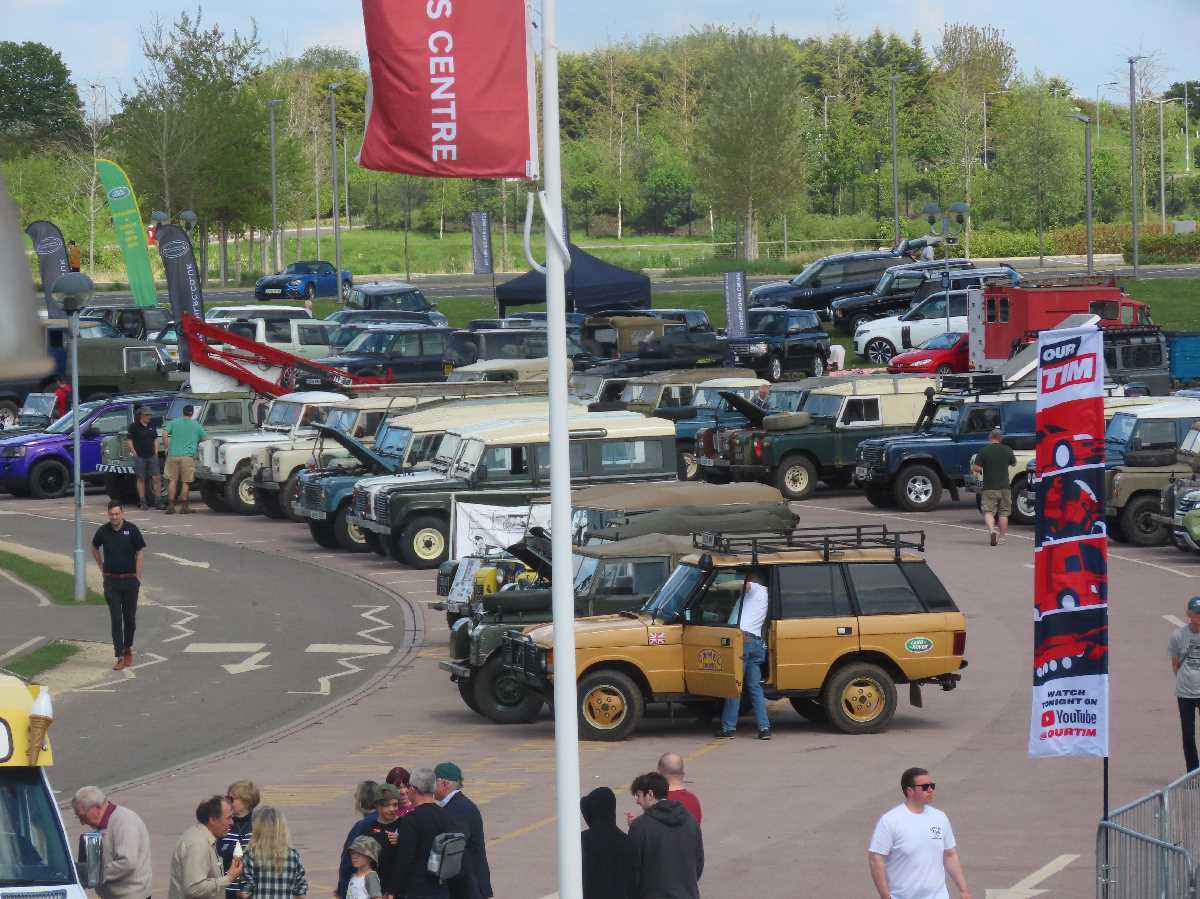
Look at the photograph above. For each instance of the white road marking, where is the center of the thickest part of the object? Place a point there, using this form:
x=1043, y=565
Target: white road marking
x=224, y=647
x=42, y=598
x=1175, y=620
x=250, y=663
x=1027, y=886
x=187, y=563
x=1028, y=565
x=18, y=649
x=356, y=649
x=152, y=658
x=181, y=624
x=369, y=633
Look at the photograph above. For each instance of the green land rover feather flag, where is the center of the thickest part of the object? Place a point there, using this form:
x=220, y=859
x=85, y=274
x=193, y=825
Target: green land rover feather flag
x=131, y=235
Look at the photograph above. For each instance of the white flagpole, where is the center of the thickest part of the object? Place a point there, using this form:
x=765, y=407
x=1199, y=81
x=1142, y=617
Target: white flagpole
x=566, y=725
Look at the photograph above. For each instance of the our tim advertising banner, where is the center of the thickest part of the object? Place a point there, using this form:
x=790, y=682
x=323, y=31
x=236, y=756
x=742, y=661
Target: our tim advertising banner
x=51, y=252
x=131, y=235
x=451, y=91
x=183, y=277
x=1070, y=579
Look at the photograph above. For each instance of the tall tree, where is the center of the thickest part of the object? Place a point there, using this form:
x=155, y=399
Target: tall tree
x=756, y=125
x=39, y=104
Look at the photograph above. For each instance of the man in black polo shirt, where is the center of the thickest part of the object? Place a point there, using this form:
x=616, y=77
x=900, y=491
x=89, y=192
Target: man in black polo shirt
x=143, y=437
x=121, y=562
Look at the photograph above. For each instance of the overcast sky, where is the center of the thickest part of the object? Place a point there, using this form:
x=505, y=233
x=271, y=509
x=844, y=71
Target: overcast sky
x=1084, y=41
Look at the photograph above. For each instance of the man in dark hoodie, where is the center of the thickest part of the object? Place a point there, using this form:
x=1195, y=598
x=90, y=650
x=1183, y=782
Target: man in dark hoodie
x=408, y=877
x=668, y=851
x=607, y=860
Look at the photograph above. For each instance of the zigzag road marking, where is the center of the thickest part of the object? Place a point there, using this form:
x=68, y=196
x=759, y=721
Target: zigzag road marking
x=180, y=625
x=350, y=652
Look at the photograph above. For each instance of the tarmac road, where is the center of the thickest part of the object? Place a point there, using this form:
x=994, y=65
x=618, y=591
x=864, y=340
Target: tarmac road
x=796, y=810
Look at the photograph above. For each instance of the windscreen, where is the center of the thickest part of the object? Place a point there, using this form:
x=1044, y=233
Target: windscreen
x=668, y=601
x=372, y=343
x=342, y=420
x=585, y=387
x=585, y=570
x=175, y=410
x=639, y=393
x=392, y=441
x=807, y=275
x=39, y=404
x=283, y=415
x=1120, y=428
x=826, y=404
x=301, y=268
x=786, y=400
x=93, y=330
x=710, y=397
x=33, y=851
x=64, y=424
x=944, y=341
x=945, y=418
x=766, y=322
x=450, y=445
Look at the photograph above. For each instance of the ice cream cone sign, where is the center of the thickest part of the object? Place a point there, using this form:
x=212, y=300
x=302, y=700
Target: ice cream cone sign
x=41, y=716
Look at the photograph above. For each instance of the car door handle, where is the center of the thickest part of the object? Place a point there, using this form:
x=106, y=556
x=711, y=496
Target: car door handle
x=845, y=631
x=724, y=641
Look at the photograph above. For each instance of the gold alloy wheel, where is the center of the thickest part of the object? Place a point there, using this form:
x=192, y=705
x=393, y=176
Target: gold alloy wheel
x=863, y=700
x=428, y=543
x=604, y=707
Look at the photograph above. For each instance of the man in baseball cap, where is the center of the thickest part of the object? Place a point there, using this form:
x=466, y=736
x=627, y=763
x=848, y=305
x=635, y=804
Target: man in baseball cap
x=1184, y=652
x=476, y=882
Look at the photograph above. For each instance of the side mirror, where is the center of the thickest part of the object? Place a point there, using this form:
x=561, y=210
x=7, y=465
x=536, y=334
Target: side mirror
x=687, y=616
x=794, y=329
x=87, y=865
x=90, y=433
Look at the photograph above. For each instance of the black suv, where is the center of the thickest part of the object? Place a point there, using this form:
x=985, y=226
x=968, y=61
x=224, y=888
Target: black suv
x=782, y=340
x=400, y=353
x=134, y=322
x=393, y=295
x=825, y=280
x=898, y=288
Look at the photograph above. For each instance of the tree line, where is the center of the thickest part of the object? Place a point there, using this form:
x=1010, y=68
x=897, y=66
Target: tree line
x=722, y=132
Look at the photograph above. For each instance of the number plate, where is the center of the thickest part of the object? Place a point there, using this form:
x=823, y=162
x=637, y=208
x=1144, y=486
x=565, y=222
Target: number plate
x=860, y=473
x=704, y=460
x=273, y=290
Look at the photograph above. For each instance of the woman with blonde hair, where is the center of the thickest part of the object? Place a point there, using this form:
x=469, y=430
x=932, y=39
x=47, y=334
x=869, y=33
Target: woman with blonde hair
x=273, y=869
x=243, y=795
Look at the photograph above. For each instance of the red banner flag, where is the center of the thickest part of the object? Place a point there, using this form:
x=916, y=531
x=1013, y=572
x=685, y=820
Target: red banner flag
x=451, y=92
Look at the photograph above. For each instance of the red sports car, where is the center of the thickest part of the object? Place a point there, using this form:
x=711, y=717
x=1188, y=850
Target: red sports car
x=941, y=355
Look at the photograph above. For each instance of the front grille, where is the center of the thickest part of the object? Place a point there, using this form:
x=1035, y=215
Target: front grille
x=312, y=496
x=361, y=503
x=741, y=347
x=523, y=655
x=381, y=506
x=721, y=442
x=871, y=454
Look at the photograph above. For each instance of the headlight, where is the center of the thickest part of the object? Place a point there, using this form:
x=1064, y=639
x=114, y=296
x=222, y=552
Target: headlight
x=548, y=661
x=294, y=283
x=1116, y=481
x=14, y=452
x=838, y=313
x=758, y=349
x=921, y=362
x=221, y=455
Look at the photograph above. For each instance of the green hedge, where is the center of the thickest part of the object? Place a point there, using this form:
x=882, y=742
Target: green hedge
x=999, y=244
x=1165, y=248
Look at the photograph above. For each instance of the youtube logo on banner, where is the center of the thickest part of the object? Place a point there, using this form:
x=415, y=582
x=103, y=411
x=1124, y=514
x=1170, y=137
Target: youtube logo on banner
x=451, y=92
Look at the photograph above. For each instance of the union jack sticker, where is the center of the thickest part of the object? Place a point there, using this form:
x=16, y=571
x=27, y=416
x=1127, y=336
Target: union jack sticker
x=657, y=638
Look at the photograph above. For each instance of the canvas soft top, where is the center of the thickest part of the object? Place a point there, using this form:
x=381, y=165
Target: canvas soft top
x=668, y=494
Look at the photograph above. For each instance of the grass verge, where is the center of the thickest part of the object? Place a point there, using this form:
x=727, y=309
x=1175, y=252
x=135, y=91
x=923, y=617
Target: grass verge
x=1173, y=301
x=59, y=586
x=42, y=659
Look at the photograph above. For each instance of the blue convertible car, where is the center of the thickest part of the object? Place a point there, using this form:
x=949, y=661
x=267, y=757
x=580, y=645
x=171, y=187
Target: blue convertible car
x=307, y=280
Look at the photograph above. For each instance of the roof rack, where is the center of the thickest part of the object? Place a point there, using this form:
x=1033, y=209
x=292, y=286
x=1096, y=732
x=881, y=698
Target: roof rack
x=828, y=541
x=977, y=381
x=1068, y=279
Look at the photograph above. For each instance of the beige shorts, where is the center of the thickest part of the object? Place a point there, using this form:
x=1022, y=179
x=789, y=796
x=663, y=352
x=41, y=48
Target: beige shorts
x=181, y=468
x=998, y=502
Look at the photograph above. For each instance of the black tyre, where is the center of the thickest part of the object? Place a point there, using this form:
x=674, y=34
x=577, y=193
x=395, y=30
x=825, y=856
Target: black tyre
x=811, y=710
x=944, y=370
x=1139, y=527
x=322, y=533
x=121, y=487
x=880, y=497
x=345, y=291
x=289, y=495
x=918, y=489
x=501, y=697
x=350, y=538
x=1023, y=511
x=685, y=461
x=818, y=365
x=424, y=542
x=375, y=543
x=796, y=477
x=239, y=492
x=860, y=699
x=49, y=480
x=879, y=350
x=467, y=692
x=774, y=368
x=310, y=292
x=857, y=322
x=452, y=618
x=1115, y=530
x=213, y=496
x=610, y=705
x=267, y=503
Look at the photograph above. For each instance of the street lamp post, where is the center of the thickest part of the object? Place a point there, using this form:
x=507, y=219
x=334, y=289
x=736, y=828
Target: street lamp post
x=1099, y=87
x=316, y=194
x=271, y=104
x=895, y=171
x=72, y=291
x=1187, y=132
x=1162, y=162
x=953, y=220
x=987, y=94
x=1087, y=176
x=333, y=168
x=1133, y=180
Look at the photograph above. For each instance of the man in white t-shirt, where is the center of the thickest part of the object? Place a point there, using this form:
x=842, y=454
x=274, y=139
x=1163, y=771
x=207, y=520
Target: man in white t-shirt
x=912, y=849
x=750, y=614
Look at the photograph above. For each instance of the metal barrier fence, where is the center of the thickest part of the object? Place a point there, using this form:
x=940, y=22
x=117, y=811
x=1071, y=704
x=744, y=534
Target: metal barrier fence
x=1145, y=848
x=1131, y=865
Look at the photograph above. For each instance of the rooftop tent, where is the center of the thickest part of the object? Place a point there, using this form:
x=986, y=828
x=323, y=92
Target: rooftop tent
x=592, y=285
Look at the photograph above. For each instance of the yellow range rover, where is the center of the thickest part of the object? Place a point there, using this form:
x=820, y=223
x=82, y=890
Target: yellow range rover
x=854, y=611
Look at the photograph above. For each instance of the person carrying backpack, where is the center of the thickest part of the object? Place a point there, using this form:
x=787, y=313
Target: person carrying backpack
x=423, y=847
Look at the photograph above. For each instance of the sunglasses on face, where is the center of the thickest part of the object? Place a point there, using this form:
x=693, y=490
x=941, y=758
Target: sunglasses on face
x=929, y=787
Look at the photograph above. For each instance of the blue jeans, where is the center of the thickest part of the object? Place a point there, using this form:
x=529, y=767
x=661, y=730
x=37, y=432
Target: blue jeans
x=754, y=653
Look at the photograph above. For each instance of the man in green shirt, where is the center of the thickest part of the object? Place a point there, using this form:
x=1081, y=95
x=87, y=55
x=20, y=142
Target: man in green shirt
x=993, y=463
x=181, y=435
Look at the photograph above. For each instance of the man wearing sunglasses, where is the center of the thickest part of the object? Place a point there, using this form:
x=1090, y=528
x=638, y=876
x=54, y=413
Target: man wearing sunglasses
x=912, y=850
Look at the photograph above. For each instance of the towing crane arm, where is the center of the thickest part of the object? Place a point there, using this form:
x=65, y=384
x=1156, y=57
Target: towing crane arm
x=262, y=368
